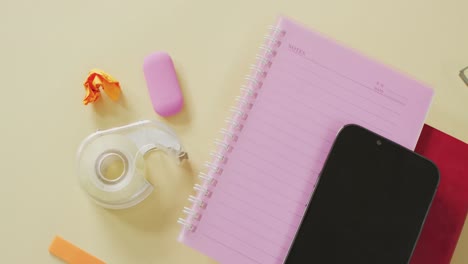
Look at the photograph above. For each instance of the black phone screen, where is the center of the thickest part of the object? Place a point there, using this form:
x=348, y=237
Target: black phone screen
x=369, y=204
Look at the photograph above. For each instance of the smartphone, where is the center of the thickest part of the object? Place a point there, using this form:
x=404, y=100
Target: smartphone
x=369, y=204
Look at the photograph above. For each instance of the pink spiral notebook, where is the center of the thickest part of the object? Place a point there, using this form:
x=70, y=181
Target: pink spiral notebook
x=302, y=90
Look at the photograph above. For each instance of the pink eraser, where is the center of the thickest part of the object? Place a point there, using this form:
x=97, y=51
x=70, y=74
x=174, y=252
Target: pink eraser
x=163, y=87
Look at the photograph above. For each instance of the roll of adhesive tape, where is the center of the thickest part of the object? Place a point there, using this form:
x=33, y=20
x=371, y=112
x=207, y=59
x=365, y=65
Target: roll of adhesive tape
x=111, y=168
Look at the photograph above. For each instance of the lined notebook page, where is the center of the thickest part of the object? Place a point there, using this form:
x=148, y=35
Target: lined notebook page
x=313, y=88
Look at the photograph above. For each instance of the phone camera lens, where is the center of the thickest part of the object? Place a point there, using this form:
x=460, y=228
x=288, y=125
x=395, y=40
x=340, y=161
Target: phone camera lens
x=379, y=142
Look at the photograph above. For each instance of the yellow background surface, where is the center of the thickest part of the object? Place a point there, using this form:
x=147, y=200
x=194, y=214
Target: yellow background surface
x=47, y=48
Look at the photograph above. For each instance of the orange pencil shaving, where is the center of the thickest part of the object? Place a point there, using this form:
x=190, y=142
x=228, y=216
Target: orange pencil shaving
x=96, y=80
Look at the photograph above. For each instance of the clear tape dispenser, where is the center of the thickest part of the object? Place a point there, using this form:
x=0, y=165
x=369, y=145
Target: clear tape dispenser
x=111, y=165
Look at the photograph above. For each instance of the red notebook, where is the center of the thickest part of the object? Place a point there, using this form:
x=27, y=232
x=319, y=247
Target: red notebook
x=447, y=215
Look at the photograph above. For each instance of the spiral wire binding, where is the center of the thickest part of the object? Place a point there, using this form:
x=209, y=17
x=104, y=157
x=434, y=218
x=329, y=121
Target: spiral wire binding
x=235, y=124
x=186, y=224
x=248, y=91
x=197, y=201
x=207, y=178
x=222, y=145
x=191, y=212
x=263, y=60
x=218, y=157
x=252, y=79
x=245, y=103
x=258, y=71
x=213, y=168
x=201, y=189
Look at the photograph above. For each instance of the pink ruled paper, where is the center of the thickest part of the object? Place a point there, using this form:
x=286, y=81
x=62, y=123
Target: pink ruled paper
x=313, y=87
